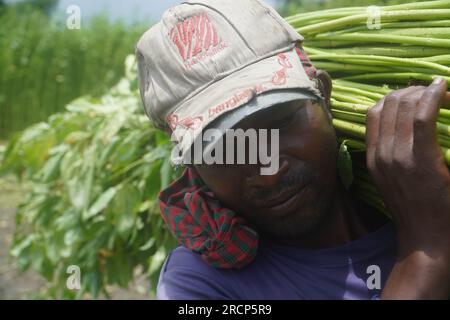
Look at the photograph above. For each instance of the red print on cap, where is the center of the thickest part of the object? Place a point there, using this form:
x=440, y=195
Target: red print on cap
x=283, y=60
x=189, y=123
x=196, y=39
x=279, y=77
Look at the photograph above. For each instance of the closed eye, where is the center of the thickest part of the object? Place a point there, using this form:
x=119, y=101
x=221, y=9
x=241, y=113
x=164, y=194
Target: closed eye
x=286, y=121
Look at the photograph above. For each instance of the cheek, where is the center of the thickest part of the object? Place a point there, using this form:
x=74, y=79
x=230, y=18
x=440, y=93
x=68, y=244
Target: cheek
x=324, y=148
x=225, y=182
x=314, y=142
x=327, y=161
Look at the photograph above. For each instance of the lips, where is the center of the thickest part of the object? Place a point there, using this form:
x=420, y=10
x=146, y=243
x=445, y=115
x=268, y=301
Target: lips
x=281, y=198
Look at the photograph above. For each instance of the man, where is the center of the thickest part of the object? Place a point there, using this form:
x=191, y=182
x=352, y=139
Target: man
x=296, y=233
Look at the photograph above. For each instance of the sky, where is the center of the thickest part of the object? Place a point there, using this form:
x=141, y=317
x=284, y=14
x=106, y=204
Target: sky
x=128, y=10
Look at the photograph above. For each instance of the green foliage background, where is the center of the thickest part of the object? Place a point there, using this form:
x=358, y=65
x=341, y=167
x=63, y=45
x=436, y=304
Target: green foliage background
x=95, y=173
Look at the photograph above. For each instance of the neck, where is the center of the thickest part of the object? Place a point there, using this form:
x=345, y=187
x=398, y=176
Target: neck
x=348, y=219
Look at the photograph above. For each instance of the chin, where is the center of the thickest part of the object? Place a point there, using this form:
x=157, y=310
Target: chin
x=297, y=223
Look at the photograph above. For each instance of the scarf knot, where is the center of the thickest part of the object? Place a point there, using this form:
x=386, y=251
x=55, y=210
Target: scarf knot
x=201, y=223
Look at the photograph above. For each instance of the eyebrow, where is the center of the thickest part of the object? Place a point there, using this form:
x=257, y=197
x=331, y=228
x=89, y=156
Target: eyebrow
x=268, y=116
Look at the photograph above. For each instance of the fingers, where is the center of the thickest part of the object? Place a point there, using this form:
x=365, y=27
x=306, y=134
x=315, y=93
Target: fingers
x=403, y=156
x=404, y=130
x=403, y=120
x=387, y=127
x=426, y=114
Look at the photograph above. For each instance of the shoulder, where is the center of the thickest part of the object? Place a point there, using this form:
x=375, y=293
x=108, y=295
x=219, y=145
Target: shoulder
x=184, y=257
x=185, y=276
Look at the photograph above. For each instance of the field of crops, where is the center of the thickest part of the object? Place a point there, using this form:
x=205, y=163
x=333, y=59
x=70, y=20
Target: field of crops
x=44, y=65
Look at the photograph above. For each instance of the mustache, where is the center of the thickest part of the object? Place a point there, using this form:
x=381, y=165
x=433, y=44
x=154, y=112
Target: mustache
x=292, y=180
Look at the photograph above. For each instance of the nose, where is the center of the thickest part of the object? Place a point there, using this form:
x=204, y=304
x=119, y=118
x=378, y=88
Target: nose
x=256, y=180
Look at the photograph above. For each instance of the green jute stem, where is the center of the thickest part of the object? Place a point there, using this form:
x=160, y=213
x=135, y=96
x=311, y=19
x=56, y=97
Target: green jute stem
x=444, y=58
x=358, y=110
x=419, y=5
x=444, y=120
x=444, y=141
x=445, y=113
x=399, y=26
x=334, y=66
x=352, y=129
x=387, y=51
x=348, y=116
x=320, y=14
x=406, y=6
x=368, y=186
x=359, y=130
x=304, y=20
x=349, y=107
x=372, y=200
x=429, y=14
x=443, y=116
x=389, y=61
x=417, y=70
x=330, y=44
x=354, y=145
x=401, y=76
x=310, y=50
x=358, y=65
x=415, y=24
x=366, y=87
x=350, y=99
x=446, y=152
x=371, y=95
x=367, y=38
x=312, y=18
x=435, y=32
x=443, y=129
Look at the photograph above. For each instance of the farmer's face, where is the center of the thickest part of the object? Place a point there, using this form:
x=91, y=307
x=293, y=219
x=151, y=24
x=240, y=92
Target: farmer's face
x=292, y=202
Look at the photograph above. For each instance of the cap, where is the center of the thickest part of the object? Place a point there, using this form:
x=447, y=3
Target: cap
x=208, y=59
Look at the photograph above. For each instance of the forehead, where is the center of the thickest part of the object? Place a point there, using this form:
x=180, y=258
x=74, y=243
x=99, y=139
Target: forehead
x=273, y=114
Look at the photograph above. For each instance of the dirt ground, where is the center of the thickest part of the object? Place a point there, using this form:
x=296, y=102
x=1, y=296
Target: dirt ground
x=15, y=285
x=12, y=284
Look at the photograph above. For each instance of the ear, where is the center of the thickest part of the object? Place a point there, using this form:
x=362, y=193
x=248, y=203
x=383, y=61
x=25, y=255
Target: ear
x=325, y=87
x=325, y=84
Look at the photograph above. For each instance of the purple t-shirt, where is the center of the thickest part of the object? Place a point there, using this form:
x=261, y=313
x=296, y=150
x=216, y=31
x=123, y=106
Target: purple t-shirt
x=357, y=270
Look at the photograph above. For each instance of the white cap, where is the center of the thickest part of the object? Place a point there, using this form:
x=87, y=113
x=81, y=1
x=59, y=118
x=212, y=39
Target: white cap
x=208, y=58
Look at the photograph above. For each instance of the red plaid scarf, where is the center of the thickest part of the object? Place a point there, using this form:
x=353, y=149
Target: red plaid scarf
x=199, y=221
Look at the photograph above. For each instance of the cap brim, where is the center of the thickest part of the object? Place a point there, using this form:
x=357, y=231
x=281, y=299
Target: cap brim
x=264, y=101
x=274, y=80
